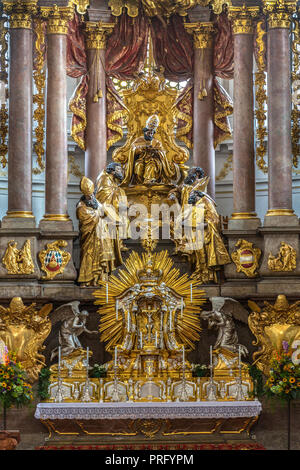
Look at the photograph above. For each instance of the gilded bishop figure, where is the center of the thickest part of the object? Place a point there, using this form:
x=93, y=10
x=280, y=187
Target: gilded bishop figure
x=147, y=162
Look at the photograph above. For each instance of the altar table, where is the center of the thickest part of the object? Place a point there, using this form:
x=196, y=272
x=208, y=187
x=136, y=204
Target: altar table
x=127, y=422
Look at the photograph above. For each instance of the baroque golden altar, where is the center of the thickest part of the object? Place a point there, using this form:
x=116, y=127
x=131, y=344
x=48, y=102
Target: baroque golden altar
x=149, y=320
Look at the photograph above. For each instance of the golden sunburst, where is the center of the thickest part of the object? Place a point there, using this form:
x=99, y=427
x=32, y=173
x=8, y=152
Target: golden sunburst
x=187, y=326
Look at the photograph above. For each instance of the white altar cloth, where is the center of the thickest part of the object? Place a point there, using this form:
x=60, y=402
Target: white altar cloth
x=148, y=410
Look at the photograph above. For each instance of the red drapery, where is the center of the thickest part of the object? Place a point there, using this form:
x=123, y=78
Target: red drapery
x=125, y=56
x=173, y=49
x=223, y=68
x=124, y=59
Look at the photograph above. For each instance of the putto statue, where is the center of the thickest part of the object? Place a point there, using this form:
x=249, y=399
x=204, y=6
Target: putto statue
x=100, y=254
x=147, y=161
x=73, y=325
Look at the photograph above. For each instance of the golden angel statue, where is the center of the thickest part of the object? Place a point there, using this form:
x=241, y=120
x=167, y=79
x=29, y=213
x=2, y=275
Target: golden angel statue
x=147, y=162
x=99, y=255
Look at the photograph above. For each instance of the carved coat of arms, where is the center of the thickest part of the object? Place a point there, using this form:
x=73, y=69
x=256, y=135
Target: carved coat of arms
x=53, y=259
x=246, y=258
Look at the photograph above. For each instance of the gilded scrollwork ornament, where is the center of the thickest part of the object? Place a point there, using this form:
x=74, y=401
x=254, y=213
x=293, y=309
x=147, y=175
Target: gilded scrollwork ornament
x=286, y=259
x=261, y=96
x=164, y=8
x=18, y=261
x=271, y=325
x=23, y=330
x=246, y=258
x=296, y=89
x=39, y=76
x=54, y=259
x=3, y=91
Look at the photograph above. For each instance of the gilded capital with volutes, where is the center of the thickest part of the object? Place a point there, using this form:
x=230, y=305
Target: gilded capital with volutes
x=279, y=12
x=96, y=34
x=202, y=34
x=20, y=13
x=58, y=18
x=242, y=19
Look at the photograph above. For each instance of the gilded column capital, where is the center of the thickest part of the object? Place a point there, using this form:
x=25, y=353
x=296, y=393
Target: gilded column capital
x=20, y=13
x=279, y=12
x=202, y=34
x=96, y=34
x=242, y=19
x=58, y=18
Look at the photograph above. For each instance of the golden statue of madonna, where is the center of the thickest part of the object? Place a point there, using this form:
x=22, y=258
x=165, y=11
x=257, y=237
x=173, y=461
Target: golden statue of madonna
x=147, y=161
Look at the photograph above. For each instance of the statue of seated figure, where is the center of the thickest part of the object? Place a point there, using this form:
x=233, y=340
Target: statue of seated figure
x=147, y=162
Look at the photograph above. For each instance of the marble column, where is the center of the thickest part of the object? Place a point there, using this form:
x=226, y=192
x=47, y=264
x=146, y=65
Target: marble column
x=20, y=120
x=244, y=215
x=56, y=224
x=203, y=117
x=56, y=119
x=96, y=139
x=280, y=210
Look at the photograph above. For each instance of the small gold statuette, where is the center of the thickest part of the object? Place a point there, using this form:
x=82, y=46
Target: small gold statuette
x=23, y=330
x=272, y=325
x=18, y=261
x=286, y=259
x=246, y=258
x=53, y=259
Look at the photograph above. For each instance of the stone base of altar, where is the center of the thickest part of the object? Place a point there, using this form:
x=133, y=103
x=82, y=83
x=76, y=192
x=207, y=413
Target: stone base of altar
x=145, y=431
x=147, y=423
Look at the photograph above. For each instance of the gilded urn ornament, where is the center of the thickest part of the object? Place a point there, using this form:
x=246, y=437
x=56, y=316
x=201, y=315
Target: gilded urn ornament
x=53, y=259
x=18, y=261
x=246, y=258
x=271, y=325
x=23, y=330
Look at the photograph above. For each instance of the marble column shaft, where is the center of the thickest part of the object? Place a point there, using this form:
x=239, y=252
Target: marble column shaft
x=203, y=115
x=96, y=139
x=279, y=120
x=203, y=132
x=243, y=125
x=20, y=123
x=56, y=128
